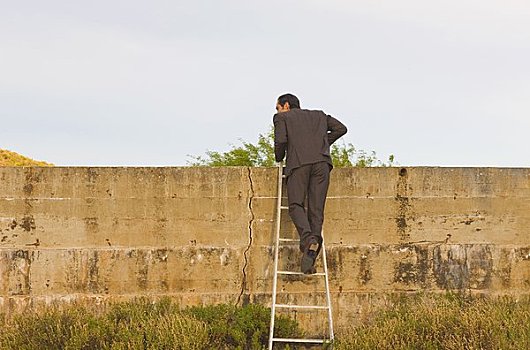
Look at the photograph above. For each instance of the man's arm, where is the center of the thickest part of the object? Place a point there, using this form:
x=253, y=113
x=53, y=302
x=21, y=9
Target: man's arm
x=280, y=137
x=335, y=130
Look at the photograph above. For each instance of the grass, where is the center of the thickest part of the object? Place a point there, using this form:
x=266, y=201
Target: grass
x=446, y=322
x=9, y=158
x=134, y=325
x=142, y=324
x=420, y=322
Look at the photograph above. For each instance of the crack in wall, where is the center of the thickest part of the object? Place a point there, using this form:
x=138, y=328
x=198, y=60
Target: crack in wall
x=240, y=298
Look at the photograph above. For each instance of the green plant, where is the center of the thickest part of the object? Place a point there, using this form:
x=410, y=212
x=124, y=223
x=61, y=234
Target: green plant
x=262, y=154
x=245, y=327
x=248, y=154
x=346, y=155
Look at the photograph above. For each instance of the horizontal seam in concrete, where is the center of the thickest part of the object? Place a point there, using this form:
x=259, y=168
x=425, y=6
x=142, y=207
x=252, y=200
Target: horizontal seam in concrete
x=410, y=197
x=348, y=291
x=256, y=197
x=328, y=245
x=113, y=295
x=117, y=248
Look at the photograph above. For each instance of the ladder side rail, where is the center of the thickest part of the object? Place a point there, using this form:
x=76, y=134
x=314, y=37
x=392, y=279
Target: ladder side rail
x=276, y=252
x=328, y=295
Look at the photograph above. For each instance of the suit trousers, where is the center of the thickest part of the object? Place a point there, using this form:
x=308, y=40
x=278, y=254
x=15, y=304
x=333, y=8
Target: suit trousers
x=311, y=181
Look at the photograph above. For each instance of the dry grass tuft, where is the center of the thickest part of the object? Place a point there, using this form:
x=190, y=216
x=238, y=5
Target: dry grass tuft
x=8, y=158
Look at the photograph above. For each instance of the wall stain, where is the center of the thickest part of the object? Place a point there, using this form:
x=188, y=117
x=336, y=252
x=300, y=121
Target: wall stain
x=480, y=264
x=335, y=258
x=463, y=266
x=142, y=263
x=28, y=223
x=92, y=175
x=404, y=206
x=505, y=266
x=161, y=256
x=91, y=224
x=93, y=272
x=28, y=189
x=414, y=268
x=20, y=270
x=365, y=270
x=32, y=178
x=450, y=268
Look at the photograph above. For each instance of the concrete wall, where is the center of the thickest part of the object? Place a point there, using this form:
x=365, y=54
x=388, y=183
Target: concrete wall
x=204, y=235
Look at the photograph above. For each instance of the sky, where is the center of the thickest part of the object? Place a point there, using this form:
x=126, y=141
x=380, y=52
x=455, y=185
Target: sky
x=148, y=83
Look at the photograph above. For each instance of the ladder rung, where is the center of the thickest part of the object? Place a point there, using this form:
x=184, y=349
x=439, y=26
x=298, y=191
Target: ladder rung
x=300, y=273
x=285, y=207
x=302, y=306
x=289, y=240
x=300, y=340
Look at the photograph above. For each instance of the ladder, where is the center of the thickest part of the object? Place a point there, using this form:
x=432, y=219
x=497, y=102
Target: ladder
x=274, y=305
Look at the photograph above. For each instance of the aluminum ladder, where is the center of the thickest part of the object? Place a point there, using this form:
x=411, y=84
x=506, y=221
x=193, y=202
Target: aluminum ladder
x=274, y=305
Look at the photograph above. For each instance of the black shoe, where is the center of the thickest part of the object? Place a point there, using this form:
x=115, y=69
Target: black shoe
x=308, y=259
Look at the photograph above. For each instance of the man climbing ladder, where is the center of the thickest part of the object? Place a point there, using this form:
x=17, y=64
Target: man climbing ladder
x=306, y=136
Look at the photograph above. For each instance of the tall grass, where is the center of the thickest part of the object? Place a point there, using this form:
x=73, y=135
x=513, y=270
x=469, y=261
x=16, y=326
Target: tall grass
x=444, y=322
x=141, y=324
x=419, y=322
x=133, y=325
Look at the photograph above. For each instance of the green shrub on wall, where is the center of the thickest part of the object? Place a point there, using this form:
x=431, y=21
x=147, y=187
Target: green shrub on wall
x=262, y=154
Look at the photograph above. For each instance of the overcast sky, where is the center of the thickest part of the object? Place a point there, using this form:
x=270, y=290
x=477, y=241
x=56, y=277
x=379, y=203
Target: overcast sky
x=145, y=83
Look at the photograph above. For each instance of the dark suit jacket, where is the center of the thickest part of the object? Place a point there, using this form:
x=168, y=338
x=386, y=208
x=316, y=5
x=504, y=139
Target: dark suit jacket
x=306, y=135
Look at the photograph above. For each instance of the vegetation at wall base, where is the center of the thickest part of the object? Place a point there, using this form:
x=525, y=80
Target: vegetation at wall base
x=142, y=324
x=245, y=327
x=9, y=158
x=448, y=322
x=444, y=322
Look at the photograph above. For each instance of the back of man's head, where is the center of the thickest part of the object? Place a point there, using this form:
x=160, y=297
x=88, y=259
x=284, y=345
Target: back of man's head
x=289, y=98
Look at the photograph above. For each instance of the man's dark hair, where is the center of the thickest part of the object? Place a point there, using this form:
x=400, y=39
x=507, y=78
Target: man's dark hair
x=292, y=99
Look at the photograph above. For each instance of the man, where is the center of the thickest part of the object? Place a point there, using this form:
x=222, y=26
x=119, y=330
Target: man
x=306, y=135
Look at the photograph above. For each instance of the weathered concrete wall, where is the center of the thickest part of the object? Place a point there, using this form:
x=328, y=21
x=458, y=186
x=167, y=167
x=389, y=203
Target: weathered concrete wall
x=204, y=235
